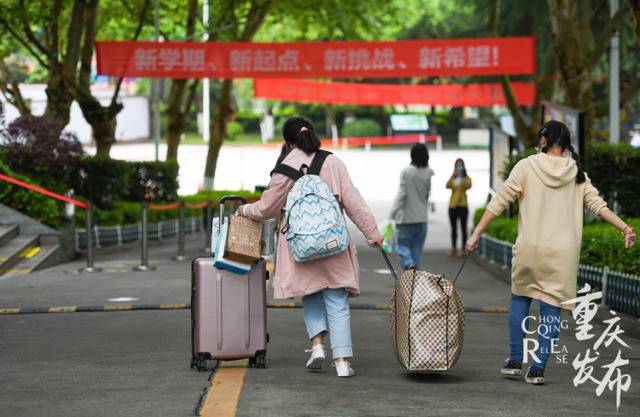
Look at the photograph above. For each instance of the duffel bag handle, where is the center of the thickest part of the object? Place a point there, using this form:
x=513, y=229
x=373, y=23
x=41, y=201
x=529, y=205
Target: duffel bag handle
x=461, y=266
x=386, y=259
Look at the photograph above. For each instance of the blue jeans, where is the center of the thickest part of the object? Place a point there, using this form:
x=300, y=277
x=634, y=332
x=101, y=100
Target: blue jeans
x=330, y=306
x=411, y=237
x=548, y=323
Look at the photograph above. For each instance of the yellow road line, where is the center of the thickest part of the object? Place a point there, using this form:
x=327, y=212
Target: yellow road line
x=224, y=393
x=115, y=307
x=62, y=309
x=172, y=306
x=495, y=309
x=383, y=306
x=30, y=252
x=18, y=271
x=9, y=310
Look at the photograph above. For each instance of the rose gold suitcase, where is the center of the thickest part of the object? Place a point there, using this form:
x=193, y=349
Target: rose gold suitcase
x=228, y=314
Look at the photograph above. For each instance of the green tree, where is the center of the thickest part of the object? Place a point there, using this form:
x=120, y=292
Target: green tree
x=101, y=118
x=181, y=93
x=232, y=21
x=52, y=33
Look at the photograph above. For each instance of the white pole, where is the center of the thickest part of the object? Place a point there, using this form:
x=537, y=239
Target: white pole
x=155, y=86
x=205, y=81
x=614, y=81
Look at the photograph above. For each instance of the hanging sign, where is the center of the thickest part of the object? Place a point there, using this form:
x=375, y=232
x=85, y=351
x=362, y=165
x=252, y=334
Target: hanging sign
x=388, y=94
x=396, y=59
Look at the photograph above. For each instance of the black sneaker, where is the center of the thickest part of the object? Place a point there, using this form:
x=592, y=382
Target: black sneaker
x=535, y=376
x=512, y=368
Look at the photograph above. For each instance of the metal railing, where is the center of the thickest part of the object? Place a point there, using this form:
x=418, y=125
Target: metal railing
x=620, y=291
x=126, y=233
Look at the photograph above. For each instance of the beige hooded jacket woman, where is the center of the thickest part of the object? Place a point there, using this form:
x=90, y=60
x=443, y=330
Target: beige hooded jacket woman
x=547, y=250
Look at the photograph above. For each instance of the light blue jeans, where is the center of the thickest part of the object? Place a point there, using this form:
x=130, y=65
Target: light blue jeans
x=330, y=306
x=411, y=237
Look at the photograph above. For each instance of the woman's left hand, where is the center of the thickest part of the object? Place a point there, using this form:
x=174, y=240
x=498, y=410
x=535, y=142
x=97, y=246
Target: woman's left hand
x=629, y=237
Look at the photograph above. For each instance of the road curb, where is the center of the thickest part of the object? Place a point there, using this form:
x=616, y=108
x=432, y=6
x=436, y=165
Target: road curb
x=137, y=307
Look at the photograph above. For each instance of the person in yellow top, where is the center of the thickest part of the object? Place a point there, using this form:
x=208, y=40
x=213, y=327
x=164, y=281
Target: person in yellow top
x=552, y=189
x=459, y=183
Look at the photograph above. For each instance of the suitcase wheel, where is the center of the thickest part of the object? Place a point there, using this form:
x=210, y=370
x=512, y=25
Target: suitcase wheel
x=260, y=360
x=199, y=363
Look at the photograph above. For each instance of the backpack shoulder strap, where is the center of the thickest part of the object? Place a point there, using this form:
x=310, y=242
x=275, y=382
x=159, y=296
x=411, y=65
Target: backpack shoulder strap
x=317, y=162
x=287, y=171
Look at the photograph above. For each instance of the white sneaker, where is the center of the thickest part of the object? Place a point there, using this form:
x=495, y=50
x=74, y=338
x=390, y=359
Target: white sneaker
x=316, y=360
x=343, y=369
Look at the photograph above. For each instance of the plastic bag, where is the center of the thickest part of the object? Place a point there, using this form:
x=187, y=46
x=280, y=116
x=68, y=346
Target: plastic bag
x=389, y=242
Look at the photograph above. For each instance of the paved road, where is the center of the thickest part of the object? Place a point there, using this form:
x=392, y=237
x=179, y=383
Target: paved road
x=136, y=363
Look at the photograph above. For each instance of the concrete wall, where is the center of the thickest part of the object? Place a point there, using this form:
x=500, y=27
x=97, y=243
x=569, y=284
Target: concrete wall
x=133, y=120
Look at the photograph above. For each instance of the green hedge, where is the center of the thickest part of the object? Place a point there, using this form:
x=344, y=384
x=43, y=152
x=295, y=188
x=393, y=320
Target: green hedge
x=128, y=212
x=361, y=128
x=40, y=207
x=616, y=168
x=602, y=244
x=104, y=181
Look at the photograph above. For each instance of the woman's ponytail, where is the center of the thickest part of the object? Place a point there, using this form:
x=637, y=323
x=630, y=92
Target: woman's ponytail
x=308, y=142
x=580, y=178
x=556, y=133
x=299, y=132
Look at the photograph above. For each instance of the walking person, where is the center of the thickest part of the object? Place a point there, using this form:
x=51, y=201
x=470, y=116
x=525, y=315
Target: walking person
x=459, y=183
x=410, y=208
x=551, y=188
x=324, y=284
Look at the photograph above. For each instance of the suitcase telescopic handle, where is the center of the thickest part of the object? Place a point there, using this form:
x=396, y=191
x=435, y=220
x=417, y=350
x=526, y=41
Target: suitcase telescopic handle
x=232, y=198
x=388, y=262
x=223, y=200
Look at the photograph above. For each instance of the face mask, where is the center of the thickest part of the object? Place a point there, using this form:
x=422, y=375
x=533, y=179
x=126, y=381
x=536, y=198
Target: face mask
x=460, y=169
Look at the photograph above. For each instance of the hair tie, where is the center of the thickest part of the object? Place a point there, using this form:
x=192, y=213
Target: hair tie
x=303, y=129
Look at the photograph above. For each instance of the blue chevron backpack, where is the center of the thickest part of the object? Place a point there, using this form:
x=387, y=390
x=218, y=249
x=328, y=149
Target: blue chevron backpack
x=314, y=224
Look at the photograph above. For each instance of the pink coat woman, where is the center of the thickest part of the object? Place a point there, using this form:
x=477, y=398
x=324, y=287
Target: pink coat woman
x=293, y=279
x=324, y=284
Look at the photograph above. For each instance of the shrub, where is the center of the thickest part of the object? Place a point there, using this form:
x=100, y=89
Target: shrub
x=234, y=129
x=128, y=212
x=602, y=245
x=156, y=181
x=32, y=146
x=361, y=128
x=33, y=204
x=616, y=168
x=101, y=180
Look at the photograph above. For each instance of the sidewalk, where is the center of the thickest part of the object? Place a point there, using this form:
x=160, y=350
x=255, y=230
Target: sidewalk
x=136, y=363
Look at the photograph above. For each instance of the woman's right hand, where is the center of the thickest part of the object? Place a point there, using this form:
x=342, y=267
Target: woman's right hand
x=377, y=243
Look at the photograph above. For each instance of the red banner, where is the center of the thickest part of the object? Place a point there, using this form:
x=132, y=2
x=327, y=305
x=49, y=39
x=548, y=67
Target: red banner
x=450, y=57
x=389, y=94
